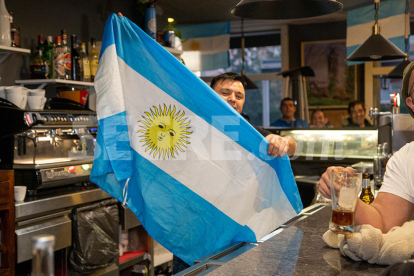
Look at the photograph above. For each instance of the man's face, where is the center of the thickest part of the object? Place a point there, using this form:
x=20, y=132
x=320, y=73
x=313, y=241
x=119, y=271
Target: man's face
x=288, y=109
x=318, y=119
x=358, y=114
x=232, y=92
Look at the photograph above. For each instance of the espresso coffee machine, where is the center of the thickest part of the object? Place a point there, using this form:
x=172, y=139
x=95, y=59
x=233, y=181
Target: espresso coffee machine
x=58, y=151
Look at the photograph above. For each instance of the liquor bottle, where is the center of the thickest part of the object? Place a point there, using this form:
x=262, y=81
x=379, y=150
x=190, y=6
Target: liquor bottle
x=15, y=32
x=40, y=42
x=93, y=59
x=86, y=76
x=151, y=22
x=48, y=54
x=43, y=255
x=379, y=166
x=366, y=194
x=58, y=60
x=38, y=66
x=68, y=59
x=5, y=34
x=76, y=60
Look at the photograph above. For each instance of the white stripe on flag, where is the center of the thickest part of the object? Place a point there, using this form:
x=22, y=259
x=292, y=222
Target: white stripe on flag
x=108, y=79
x=204, y=167
x=390, y=27
x=208, y=45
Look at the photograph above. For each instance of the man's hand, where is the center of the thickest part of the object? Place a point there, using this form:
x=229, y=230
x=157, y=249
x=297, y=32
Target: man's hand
x=279, y=146
x=120, y=14
x=324, y=184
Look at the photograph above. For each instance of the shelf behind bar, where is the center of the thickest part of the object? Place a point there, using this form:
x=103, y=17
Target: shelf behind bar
x=13, y=50
x=47, y=81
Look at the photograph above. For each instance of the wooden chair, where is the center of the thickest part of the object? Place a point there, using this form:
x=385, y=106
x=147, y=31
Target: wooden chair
x=7, y=243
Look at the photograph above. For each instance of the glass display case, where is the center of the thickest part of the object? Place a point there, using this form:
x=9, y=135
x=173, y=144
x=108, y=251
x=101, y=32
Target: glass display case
x=336, y=144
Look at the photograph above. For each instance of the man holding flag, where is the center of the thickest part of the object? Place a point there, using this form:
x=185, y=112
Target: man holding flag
x=197, y=175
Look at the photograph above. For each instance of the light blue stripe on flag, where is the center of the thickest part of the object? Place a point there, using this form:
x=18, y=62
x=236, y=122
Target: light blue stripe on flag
x=192, y=203
x=204, y=30
x=366, y=14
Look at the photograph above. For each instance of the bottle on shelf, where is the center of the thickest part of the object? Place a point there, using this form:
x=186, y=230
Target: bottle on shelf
x=48, y=54
x=366, y=193
x=59, y=60
x=86, y=76
x=43, y=263
x=14, y=32
x=5, y=34
x=40, y=42
x=38, y=66
x=151, y=22
x=68, y=59
x=77, y=68
x=93, y=59
x=379, y=166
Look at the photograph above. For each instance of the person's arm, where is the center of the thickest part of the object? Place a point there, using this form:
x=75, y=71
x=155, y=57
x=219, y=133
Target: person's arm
x=387, y=210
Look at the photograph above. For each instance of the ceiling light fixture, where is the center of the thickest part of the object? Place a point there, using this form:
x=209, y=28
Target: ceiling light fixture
x=284, y=9
x=247, y=83
x=376, y=47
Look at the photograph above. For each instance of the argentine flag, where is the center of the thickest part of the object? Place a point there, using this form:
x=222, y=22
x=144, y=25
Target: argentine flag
x=206, y=46
x=194, y=172
x=394, y=22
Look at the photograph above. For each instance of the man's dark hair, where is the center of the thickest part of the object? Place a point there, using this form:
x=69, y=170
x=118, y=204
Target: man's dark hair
x=353, y=104
x=227, y=76
x=287, y=99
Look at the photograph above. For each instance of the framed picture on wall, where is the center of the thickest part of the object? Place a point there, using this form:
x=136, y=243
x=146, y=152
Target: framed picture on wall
x=334, y=82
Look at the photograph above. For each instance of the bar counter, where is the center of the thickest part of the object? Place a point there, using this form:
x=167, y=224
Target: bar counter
x=297, y=250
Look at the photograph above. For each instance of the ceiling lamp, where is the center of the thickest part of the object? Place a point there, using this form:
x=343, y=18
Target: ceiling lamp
x=397, y=72
x=247, y=83
x=376, y=47
x=285, y=9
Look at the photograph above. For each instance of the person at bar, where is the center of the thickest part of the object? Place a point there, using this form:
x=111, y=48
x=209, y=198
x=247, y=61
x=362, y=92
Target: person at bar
x=288, y=109
x=319, y=120
x=394, y=204
x=230, y=87
x=356, y=111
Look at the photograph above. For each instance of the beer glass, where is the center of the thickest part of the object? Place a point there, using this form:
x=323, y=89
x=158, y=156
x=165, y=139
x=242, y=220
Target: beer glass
x=345, y=187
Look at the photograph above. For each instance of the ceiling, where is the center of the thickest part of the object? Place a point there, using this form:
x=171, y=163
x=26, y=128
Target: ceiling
x=208, y=11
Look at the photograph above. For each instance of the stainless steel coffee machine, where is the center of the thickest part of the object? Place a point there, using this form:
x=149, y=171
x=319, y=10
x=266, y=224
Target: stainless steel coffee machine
x=57, y=152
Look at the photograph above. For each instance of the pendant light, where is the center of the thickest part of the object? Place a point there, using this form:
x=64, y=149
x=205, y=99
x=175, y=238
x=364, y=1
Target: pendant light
x=376, y=47
x=284, y=9
x=247, y=83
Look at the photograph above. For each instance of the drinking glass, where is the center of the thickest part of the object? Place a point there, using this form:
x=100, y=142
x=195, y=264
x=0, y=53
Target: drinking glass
x=345, y=187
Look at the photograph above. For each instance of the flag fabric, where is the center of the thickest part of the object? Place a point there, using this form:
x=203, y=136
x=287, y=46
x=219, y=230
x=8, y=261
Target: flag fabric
x=206, y=46
x=194, y=172
x=394, y=22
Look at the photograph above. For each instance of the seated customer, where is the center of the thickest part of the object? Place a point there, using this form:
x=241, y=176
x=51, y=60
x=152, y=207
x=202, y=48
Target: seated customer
x=318, y=119
x=394, y=204
x=356, y=111
x=288, y=109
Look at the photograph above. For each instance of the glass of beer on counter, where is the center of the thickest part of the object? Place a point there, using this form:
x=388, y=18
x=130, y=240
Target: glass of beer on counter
x=345, y=187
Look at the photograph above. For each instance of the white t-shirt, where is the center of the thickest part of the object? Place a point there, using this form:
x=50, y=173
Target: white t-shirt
x=399, y=176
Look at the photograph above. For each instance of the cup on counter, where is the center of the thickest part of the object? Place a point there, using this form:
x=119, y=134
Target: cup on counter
x=37, y=92
x=16, y=89
x=345, y=187
x=36, y=102
x=18, y=99
x=19, y=193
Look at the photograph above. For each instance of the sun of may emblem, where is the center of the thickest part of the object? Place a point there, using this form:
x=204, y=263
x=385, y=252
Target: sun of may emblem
x=164, y=131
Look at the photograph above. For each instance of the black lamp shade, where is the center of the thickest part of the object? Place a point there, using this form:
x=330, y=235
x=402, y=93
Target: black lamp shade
x=397, y=72
x=376, y=47
x=285, y=9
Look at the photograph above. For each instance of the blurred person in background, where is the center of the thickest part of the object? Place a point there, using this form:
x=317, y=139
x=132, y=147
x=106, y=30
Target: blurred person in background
x=356, y=111
x=319, y=120
x=288, y=109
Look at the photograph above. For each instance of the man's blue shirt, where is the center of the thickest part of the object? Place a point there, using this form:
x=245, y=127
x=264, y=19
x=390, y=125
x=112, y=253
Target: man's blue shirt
x=299, y=123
